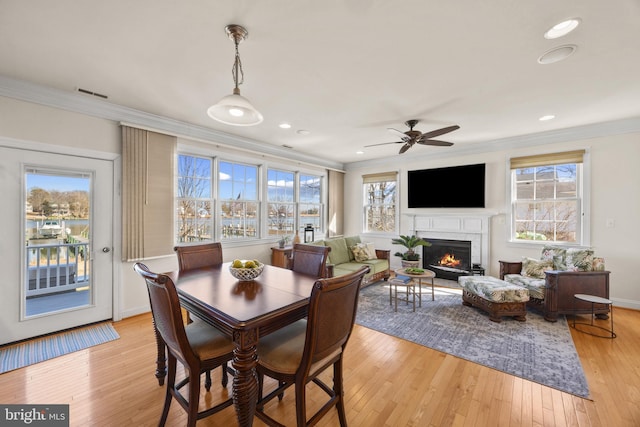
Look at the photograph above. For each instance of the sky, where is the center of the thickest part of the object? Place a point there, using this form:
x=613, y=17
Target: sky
x=58, y=183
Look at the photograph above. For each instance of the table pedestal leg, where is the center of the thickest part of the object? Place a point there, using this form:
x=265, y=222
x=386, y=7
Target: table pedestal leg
x=245, y=381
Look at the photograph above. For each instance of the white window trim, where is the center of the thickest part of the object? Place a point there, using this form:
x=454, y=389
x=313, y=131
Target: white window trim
x=584, y=188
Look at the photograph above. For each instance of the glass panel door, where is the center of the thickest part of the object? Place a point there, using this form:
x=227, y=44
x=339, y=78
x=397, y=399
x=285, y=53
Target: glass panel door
x=57, y=224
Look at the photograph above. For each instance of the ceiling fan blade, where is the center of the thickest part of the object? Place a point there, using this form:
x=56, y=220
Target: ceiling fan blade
x=384, y=143
x=400, y=133
x=439, y=132
x=405, y=147
x=435, y=142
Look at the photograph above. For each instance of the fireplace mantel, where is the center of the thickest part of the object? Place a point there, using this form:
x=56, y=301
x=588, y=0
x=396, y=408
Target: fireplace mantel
x=471, y=227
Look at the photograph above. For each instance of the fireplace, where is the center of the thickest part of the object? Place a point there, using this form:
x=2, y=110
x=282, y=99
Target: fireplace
x=449, y=259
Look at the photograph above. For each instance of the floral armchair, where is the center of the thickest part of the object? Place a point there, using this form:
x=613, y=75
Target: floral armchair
x=556, y=277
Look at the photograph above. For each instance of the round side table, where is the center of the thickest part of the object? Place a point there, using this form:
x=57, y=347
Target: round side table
x=594, y=300
x=428, y=274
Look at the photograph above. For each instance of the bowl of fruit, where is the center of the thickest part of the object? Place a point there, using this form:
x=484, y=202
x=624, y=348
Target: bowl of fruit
x=246, y=270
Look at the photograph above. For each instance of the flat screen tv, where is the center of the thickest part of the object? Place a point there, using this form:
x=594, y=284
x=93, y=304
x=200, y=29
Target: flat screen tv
x=449, y=187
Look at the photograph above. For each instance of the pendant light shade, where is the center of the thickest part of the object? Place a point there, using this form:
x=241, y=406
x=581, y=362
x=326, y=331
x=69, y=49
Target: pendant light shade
x=235, y=109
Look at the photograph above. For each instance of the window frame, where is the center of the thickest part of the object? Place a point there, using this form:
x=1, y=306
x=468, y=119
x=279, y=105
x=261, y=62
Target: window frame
x=369, y=179
x=262, y=236
x=582, y=198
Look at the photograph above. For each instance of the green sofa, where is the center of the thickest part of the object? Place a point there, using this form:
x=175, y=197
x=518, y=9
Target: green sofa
x=342, y=260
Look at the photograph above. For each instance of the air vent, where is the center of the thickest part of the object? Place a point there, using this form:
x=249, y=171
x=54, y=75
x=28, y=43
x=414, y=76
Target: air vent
x=88, y=92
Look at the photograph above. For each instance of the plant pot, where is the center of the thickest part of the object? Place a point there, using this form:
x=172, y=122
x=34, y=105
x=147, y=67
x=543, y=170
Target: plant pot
x=412, y=264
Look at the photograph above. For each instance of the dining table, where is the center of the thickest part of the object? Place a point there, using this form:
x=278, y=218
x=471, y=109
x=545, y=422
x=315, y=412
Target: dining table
x=245, y=311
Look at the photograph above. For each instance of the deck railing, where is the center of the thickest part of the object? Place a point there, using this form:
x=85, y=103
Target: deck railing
x=57, y=267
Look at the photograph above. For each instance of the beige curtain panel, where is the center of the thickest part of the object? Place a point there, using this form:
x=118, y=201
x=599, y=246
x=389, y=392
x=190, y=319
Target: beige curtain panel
x=335, y=208
x=147, y=194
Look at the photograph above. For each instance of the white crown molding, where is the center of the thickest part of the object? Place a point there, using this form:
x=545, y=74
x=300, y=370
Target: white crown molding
x=78, y=103
x=594, y=130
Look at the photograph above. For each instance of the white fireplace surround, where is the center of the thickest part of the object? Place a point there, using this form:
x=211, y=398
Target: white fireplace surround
x=469, y=227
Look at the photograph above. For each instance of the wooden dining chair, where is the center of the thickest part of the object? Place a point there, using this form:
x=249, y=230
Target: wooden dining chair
x=298, y=353
x=198, y=346
x=196, y=256
x=309, y=259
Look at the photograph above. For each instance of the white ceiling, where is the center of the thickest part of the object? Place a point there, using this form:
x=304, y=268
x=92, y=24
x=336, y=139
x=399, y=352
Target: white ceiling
x=345, y=70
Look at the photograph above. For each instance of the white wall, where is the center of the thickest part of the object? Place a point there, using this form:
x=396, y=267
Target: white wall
x=615, y=177
x=50, y=129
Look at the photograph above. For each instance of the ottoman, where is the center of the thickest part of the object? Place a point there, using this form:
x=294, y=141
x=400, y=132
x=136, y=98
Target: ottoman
x=495, y=296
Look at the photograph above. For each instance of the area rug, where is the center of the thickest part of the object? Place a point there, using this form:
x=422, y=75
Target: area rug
x=40, y=349
x=535, y=350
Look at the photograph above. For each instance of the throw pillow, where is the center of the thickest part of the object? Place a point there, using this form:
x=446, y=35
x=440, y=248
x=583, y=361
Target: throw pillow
x=339, y=253
x=598, y=264
x=351, y=241
x=578, y=259
x=555, y=254
x=360, y=252
x=371, y=250
x=535, y=268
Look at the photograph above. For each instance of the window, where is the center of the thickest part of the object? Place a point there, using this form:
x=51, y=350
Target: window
x=310, y=207
x=547, y=198
x=239, y=203
x=280, y=203
x=380, y=202
x=194, y=199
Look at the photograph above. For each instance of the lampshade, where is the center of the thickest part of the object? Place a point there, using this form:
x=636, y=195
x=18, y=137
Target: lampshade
x=235, y=110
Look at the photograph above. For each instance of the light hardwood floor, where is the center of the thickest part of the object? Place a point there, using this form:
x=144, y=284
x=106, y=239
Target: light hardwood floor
x=389, y=382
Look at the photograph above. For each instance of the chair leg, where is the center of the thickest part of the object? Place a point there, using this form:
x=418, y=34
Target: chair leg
x=225, y=375
x=171, y=382
x=301, y=404
x=207, y=380
x=194, y=397
x=339, y=391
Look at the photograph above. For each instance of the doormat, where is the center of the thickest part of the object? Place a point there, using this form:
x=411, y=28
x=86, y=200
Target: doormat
x=25, y=353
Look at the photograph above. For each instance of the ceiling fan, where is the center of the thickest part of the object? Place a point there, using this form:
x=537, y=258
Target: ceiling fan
x=411, y=137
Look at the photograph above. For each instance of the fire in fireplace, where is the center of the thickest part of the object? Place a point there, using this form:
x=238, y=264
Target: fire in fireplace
x=449, y=259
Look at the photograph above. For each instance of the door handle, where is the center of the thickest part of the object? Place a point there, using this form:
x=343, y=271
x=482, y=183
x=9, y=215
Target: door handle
x=106, y=249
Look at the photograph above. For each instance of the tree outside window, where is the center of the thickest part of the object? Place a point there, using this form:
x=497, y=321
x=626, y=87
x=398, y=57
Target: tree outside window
x=379, y=192
x=194, y=200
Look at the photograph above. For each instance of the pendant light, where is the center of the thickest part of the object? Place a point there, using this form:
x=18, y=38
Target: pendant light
x=235, y=109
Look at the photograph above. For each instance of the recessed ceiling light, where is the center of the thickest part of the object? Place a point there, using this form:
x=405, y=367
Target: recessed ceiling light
x=284, y=126
x=562, y=29
x=547, y=117
x=304, y=132
x=359, y=152
x=557, y=54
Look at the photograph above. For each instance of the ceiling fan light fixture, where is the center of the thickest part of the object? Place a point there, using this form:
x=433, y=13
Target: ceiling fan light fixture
x=235, y=109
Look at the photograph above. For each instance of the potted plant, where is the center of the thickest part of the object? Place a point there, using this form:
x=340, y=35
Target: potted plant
x=410, y=258
x=283, y=241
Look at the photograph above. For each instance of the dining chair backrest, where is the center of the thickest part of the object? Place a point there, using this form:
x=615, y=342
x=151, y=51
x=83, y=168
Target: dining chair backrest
x=167, y=315
x=332, y=313
x=196, y=256
x=310, y=259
